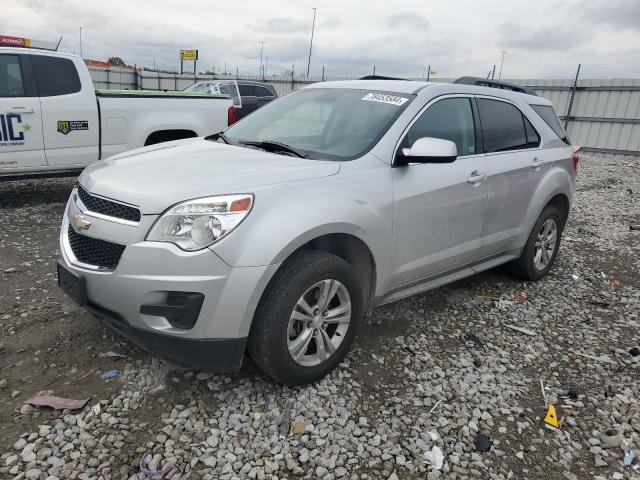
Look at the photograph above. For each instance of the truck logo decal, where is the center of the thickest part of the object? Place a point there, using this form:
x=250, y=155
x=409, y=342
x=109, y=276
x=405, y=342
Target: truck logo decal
x=12, y=130
x=66, y=126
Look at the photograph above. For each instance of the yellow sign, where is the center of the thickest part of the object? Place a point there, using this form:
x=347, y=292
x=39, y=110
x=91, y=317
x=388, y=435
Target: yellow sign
x=189, y=55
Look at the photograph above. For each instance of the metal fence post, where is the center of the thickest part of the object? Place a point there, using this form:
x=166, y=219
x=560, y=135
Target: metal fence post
x=292, y=82
x=573, y=95
x=108, y=81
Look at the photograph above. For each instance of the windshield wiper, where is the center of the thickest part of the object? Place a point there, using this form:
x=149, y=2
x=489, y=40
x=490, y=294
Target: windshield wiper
x=219, y=136
x=272, y=146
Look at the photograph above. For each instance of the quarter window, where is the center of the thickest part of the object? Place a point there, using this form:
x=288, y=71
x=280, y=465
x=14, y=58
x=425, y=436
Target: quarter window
x=449, y=119
x=533, y=139
x=55, y=76
x=10, y=77
x=263, y=91
x=503, y=126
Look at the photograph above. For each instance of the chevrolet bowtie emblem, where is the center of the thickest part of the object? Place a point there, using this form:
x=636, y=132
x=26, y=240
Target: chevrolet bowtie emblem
x=80, y=223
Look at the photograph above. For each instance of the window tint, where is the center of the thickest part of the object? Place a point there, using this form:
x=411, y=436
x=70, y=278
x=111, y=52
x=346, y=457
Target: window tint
x=55, y=76
x=10, y=77
x=246, y=90
x=449, y=119
x=549, y=116
x=502, y=126
x=533, y=139
x=263, y=91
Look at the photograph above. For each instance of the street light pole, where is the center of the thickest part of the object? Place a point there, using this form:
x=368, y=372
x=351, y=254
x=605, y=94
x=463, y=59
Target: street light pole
x=501, y=63
x=261, y=50
x=313, y=27
x=80, y=42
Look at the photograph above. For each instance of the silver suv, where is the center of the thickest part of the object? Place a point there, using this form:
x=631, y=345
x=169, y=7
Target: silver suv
x=275, y=237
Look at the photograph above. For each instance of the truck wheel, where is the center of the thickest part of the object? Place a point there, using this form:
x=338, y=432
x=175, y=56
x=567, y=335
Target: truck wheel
x=541, y=248
x=307, y=318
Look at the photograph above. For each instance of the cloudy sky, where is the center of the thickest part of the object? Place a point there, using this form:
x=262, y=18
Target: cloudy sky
x=541, y=38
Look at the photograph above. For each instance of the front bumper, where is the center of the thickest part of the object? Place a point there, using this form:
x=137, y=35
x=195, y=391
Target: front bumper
x=146, y=274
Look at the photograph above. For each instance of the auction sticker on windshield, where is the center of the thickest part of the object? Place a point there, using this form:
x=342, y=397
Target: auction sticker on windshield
x=383, y=98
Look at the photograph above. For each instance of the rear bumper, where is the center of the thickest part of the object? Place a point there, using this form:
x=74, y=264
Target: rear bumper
x=219, y=355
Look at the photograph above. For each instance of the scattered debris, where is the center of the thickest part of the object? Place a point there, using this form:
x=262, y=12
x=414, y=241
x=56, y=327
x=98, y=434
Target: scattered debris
x=521, y=330
x=154, y=473
x=433, y=435
x=615, y=283
x=298, y=427
x=483, y=443
x=521, y=297
x=435, y=406
x=551, y=419
x=435, y=457
x=87, y=374
x=472, y=337
x=611, y=439
x=96, y=409
x=111, y=355
x=634, y=227
x=57, y=403
x=574, y=276
x=629, y=455
x=542, y=390
x=285, y=422
x=572, y=393
x=634, y=352
x=587, y=232
x=110, y=374
x=600, y=358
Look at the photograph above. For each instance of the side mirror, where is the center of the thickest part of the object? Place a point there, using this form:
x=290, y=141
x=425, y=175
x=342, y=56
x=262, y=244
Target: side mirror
x=428, y=150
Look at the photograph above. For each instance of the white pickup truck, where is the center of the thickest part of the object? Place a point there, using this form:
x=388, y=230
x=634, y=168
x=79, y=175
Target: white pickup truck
x=52, y=120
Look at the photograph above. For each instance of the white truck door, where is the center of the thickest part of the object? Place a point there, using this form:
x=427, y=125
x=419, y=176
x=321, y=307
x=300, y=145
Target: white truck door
x=69, y=110
x=21, y=143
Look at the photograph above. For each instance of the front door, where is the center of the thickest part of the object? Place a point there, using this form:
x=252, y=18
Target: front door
x=21, y=144
x=440, y=208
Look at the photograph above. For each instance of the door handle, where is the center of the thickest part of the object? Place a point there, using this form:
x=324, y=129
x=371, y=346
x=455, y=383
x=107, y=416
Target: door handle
x=20, y=110
x=476, y=177
x=536, y=163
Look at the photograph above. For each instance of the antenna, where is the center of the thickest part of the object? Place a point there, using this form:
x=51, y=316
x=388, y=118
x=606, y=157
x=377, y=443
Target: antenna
x=59, y=42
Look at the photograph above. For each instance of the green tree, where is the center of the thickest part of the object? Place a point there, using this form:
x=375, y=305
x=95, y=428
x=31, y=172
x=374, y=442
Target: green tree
x=115, y=61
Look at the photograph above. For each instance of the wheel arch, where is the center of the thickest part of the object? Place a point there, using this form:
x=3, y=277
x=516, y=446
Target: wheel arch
x=168, y=135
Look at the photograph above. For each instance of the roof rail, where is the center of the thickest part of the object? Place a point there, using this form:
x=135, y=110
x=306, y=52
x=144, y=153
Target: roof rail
x=380, y=77
x=7, y=41
x=486, y=82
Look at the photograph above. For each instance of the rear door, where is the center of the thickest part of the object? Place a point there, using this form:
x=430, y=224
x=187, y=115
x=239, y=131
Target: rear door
x=516, y=165
x=21, y=144
x=69, y=112
x=440, y=208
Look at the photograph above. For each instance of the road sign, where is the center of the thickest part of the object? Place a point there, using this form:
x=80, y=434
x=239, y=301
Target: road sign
x=189, y=55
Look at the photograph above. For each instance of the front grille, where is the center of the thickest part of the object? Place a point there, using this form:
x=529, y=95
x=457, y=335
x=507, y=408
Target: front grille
x=94, y=251
x=107, y=207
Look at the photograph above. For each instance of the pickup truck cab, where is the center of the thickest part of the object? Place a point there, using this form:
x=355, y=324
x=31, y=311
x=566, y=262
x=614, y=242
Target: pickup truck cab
x=52, y=120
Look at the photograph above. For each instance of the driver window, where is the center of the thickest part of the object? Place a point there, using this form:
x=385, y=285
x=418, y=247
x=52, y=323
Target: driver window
x=449, y=119
x=10, y=77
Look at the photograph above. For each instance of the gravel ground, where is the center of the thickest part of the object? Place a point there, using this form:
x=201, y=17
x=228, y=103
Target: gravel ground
x=439, y=373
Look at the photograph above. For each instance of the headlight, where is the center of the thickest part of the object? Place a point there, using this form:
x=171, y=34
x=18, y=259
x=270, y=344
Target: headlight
x=196, y=224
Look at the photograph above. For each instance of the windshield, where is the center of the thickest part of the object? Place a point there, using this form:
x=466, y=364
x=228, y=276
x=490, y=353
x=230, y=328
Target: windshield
x=203, y=88
x=327, y=123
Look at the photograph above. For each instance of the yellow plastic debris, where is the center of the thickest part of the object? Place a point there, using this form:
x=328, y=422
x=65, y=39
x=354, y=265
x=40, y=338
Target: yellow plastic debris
x=552, y=418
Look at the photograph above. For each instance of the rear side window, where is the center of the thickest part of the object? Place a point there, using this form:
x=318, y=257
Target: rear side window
x=55, y=76
x=10, y=77
x=449, y=119
x=533, y=139
x=246, y=90
x=263, y=91
x=503, y=126
x=549, y=116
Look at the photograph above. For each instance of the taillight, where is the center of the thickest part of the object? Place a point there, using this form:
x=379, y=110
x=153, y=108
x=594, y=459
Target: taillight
x=232, y=115
x=576, y=159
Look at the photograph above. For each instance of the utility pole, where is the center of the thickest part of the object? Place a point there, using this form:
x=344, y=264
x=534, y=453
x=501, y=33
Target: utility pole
x=266, y=64
x=428, y=72
x=261, y=50
x=313, y=27
x=501, y=63
x=493, y=72
x=81, y=42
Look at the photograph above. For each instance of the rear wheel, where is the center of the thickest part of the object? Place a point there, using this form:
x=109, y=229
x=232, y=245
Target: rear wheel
x=541, y=248
x=307, y=318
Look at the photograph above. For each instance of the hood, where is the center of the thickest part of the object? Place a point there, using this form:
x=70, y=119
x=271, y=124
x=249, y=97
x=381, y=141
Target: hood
x=156, y=177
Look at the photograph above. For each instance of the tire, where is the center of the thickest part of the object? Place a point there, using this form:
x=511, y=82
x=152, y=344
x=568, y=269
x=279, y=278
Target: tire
x=274, y=332
x=527, y=266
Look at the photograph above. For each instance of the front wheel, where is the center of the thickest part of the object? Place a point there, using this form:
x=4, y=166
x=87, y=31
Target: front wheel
x=307, y=318
x=541, y=248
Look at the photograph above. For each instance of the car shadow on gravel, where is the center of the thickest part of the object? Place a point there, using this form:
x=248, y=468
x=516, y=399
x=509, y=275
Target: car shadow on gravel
x=21, y=193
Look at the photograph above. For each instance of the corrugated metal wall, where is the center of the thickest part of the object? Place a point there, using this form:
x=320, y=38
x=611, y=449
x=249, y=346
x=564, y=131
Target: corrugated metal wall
x=605, y=114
